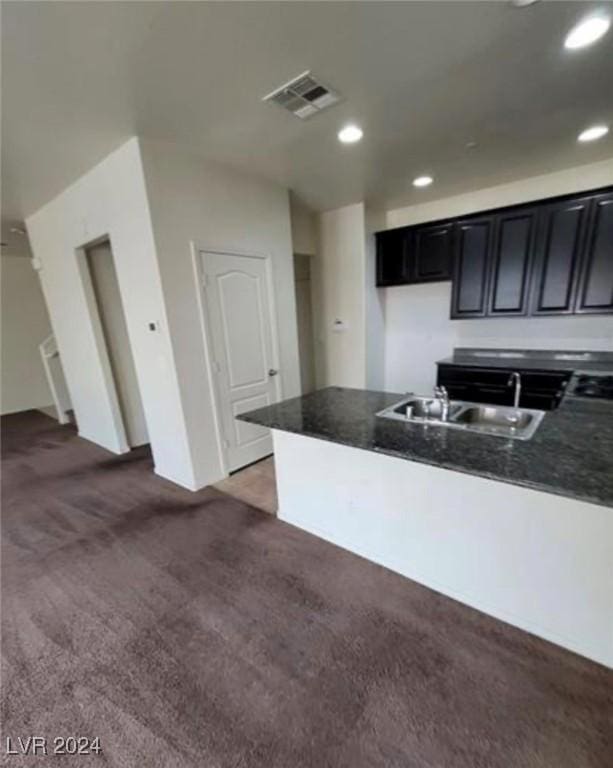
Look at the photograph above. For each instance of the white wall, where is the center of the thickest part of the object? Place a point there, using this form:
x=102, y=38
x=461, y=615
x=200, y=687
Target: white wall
x=304, y=224
x=418, y=330
x=196, y=201
x=152, y=200
x=111, y=201
x=577, y=179
x=25, y=324
x=304, y=320
x=349, y=355
x=340, y=270
x=304, y=227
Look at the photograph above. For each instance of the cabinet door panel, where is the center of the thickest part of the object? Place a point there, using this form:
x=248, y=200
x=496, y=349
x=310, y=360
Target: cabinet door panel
x=432, y=253
x=471, y=268
x=391, y=257
x=556, y=271
x=511, y=263
x=596, y=292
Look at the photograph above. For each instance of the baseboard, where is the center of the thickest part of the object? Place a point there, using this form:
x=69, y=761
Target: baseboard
x=188, y=485
x=112, y=449
x=49, y=410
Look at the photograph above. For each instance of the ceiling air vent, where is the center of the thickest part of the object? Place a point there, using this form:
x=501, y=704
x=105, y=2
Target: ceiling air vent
x=304, y=96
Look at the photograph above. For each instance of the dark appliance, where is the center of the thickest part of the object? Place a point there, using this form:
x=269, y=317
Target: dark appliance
x=540, y=389
x=594, y=385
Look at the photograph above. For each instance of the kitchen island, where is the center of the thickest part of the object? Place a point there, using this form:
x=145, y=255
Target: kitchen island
x=522, y=530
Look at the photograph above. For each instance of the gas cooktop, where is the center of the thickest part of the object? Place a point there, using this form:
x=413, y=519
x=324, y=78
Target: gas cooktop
x=595, y=385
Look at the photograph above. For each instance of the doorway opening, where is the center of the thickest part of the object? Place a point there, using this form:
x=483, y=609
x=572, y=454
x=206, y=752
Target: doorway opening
x=108, y=303
x=304, y=319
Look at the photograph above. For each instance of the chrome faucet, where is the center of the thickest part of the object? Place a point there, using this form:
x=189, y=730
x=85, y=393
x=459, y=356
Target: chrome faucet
x=441, y=394
x=515, y=379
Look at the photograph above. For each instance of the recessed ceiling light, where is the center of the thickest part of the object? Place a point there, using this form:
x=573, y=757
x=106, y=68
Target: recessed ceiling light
x=593, y=133
x=587, y=32
x=523, y=3
x=422, y=181
x=350, y=134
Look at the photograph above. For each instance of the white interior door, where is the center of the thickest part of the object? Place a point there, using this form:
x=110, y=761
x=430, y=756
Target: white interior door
x=242, y=345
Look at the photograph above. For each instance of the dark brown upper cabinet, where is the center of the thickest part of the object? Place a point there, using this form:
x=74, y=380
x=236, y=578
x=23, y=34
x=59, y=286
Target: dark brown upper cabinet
x=596, y=283
x=513, y=250
x=414, y=255
x=471, y=259
x=493, y=261
x=429, y=253
x=552, y=257
x=391, y=257
x=562, y=230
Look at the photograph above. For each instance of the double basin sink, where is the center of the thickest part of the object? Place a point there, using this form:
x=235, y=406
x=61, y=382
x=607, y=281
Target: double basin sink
x=498, y=420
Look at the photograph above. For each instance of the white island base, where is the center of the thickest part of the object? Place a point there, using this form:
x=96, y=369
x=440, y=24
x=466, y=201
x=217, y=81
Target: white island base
x=541, y=562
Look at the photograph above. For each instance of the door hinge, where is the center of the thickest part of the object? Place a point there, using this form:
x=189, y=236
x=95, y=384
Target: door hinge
x=216, y=367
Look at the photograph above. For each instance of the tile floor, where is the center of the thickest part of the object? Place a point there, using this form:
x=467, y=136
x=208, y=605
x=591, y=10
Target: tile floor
x=254, y=485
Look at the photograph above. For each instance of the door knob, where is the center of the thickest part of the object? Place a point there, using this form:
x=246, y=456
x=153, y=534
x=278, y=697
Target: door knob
x=273, y=372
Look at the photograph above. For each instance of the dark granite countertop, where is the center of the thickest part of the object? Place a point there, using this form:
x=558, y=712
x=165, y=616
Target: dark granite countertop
x=532, y=360
x=571, y=453
x=522, y=364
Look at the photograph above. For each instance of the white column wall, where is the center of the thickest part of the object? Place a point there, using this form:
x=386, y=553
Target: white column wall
x=111, y=200
x=198, y=204
x=340, y=277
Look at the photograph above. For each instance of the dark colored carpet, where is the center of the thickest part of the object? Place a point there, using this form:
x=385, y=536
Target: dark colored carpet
x=192, y=630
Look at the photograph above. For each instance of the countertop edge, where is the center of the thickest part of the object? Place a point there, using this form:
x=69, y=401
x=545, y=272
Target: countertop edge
x=543, y=488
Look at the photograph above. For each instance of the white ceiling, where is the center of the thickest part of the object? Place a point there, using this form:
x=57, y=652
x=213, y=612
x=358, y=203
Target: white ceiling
x=421, y=78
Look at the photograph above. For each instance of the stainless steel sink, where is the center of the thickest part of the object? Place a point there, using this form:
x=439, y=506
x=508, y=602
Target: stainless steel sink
x=501, y=421
x=519, y=423
x=420, y=409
